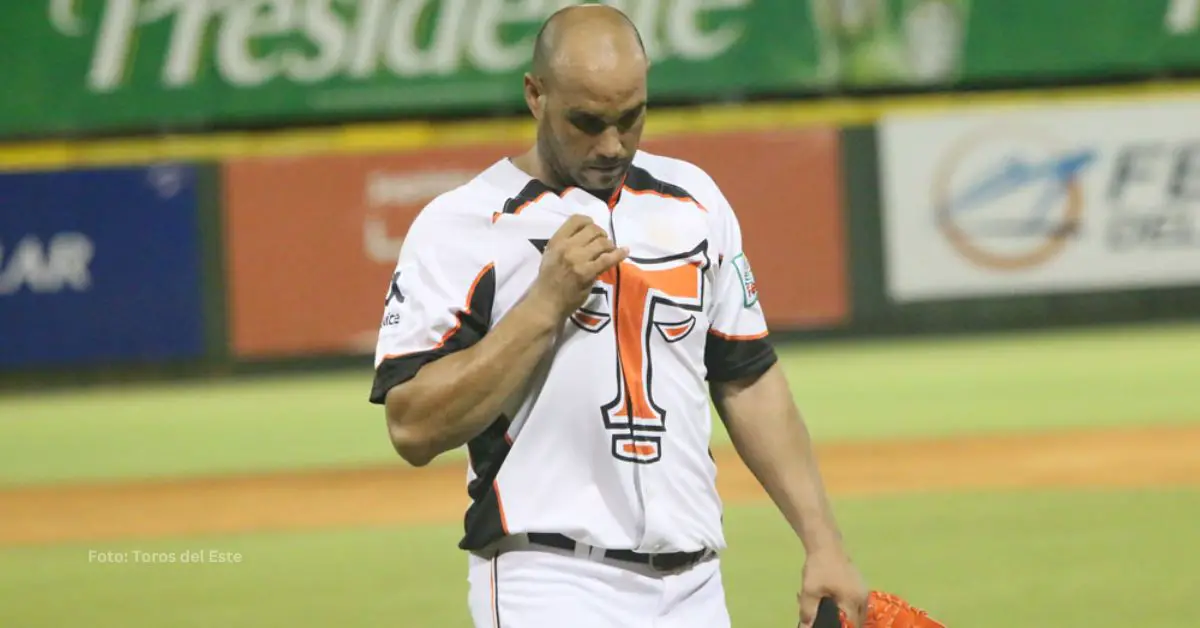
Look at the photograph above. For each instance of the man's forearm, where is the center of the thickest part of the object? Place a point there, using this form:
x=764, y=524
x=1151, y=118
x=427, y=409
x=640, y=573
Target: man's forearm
x=454, y=399
x=771, y=438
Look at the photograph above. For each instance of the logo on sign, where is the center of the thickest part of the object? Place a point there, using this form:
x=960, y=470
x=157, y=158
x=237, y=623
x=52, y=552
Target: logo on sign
x=61, y=263
x=1010, y=198
x=166, y=180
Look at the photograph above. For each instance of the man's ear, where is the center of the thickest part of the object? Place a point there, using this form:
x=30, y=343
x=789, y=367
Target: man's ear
x=535, y=96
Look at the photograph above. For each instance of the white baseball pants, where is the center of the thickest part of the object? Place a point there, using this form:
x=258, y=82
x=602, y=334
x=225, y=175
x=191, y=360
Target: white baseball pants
x=540, y=587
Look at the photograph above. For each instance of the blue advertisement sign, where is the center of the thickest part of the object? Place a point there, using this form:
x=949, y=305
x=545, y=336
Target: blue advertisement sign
x=99, y=267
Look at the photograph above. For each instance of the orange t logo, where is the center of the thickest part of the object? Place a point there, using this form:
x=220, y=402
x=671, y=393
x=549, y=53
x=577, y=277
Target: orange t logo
x=649, y=295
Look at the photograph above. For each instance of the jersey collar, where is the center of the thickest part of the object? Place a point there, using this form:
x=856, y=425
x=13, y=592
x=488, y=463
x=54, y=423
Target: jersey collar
x=506, y=175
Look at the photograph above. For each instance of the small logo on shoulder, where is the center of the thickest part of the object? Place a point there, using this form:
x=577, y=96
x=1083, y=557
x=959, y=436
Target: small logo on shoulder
x=394, y=293
x=746, y=276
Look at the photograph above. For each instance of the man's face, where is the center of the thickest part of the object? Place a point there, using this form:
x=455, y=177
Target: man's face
x=588, y=133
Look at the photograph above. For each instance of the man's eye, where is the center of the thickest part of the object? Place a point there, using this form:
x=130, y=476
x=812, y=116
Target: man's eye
x=628, y=120
x=589, y=125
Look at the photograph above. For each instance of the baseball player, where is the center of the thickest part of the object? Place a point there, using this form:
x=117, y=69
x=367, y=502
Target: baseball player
x=566, y=316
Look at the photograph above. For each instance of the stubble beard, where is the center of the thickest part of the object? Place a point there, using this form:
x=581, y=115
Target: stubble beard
x=555, y=169
x=559, y=177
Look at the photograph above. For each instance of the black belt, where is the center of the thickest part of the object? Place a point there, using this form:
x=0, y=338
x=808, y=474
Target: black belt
x=671, y=561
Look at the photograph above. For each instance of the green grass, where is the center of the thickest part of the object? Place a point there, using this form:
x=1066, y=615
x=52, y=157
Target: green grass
x=846, y=391
x=1011, y=383
x=238, y=426
x=1062, y=559
x=1087, y=560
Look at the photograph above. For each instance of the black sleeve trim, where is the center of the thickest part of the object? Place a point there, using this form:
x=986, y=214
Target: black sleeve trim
x=484, y=520
x=395, y=371
x=730, y=359
x=470, y=328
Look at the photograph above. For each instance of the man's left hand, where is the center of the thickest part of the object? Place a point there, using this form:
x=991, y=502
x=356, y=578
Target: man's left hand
x=830, y=573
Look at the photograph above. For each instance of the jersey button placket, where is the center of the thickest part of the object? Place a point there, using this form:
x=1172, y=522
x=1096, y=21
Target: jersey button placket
x=615, y=217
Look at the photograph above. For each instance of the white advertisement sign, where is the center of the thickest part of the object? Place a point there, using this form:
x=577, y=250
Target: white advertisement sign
x=1060, y=198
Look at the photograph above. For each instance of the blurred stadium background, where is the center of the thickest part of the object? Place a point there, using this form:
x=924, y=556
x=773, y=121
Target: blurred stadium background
x=975, y=225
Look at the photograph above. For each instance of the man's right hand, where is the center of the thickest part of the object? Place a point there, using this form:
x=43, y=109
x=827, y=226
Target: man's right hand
x=576, y=255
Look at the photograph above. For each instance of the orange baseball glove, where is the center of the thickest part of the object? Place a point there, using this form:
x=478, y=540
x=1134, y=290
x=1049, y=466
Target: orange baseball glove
x=885, y=611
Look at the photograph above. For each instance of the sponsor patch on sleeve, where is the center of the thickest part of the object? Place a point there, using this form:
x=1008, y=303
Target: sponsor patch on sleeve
x=746, y=276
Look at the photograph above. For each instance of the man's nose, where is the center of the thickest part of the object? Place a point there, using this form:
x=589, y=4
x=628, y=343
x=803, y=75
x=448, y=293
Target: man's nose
x=609, y=144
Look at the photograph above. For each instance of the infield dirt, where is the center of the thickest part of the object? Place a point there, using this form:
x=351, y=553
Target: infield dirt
x=399, y=495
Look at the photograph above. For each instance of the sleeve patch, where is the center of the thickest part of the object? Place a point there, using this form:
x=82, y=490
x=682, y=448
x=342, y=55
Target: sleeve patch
x=746, y=276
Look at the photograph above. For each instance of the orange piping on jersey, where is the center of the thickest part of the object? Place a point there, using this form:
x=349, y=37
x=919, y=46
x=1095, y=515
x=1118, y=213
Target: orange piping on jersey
x=458, y=323
x=528, y=203
x=736, y=337
x=668, y=196
x=500, y=506
x=496, y=215
x=616, y=195
x=495, y=602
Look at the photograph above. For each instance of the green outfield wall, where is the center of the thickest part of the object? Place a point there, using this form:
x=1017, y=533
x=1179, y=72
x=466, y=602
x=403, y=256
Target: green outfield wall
x=81, y=67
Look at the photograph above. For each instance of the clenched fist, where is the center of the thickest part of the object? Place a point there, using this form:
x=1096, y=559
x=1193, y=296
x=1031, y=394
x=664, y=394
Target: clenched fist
x=576, y=255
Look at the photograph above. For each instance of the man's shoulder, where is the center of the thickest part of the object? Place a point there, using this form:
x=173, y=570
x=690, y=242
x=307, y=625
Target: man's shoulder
x=680, y=173
x=692, y=179
x=673, y=170
x=468, y=203
x=474, y=197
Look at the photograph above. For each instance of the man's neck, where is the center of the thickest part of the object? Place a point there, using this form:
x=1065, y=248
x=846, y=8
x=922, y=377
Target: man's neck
x=531, y=164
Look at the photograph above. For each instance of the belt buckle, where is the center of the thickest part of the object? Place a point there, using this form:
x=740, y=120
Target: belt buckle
x=656, y=565
x=673, y=562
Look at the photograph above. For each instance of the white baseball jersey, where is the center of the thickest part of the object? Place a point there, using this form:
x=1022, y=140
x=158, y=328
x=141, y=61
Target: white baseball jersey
x=609, y=442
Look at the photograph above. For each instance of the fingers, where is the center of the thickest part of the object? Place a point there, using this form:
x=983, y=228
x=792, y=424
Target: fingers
x=588, y=244
x=856, y=613
x=808, y=608
x=577, y=232
x=608, y=259
x=569, y=229
x=586, y=248
x=596, y=247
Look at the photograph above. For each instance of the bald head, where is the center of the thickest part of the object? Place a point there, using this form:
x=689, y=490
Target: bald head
x=588, y=91
x=589, y=39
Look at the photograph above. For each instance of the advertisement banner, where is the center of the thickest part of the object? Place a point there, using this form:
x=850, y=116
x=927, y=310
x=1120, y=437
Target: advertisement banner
x=876, y=43
x=151, y=65
x=1052, y=199
x=99, y=267
x=119, y=65
x=312, y=241
x=1080, y=38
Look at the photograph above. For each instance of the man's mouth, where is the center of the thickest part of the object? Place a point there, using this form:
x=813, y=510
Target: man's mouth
x=609, y=169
